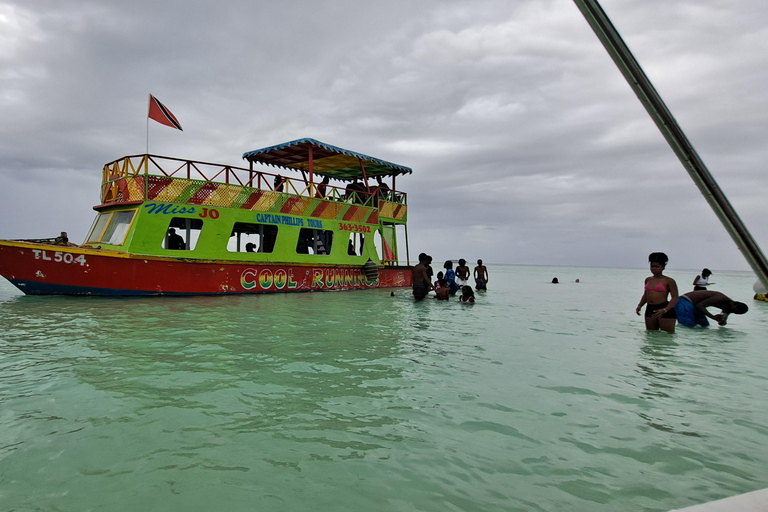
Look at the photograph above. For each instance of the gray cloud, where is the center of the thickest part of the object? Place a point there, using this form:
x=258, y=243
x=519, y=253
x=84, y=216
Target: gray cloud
x=526, y=143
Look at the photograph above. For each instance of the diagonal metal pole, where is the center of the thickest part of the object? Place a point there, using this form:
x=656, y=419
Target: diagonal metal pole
x=677, y=140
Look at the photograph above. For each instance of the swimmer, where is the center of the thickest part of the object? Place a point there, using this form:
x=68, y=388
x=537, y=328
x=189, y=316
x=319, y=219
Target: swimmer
x=467, y=295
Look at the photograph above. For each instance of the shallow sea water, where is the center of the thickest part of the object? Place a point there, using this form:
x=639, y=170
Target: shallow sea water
x=539, y=397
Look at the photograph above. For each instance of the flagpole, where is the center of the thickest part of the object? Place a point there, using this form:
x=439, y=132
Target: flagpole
x=150, y=102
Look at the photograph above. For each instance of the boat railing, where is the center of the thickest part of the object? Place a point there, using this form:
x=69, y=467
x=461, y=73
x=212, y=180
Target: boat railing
x=169, y=167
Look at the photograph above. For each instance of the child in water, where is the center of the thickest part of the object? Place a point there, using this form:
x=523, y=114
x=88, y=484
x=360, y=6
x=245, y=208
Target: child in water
x=439, y=278
x=441, y=290
x=467, y=295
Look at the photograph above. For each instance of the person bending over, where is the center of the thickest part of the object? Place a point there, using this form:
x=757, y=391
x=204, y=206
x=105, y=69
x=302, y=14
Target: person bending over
x=692, y=307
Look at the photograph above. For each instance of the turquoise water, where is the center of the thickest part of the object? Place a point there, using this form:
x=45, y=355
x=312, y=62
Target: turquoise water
x=539, y=397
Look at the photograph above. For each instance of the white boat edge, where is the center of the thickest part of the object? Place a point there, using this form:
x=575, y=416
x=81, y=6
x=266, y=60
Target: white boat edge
x=755, y=501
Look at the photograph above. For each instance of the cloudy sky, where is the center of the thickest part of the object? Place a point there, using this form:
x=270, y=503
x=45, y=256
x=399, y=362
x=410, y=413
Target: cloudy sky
x=527, y=144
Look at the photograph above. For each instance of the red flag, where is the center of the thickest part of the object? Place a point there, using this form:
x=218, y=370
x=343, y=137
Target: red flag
x=160, y=113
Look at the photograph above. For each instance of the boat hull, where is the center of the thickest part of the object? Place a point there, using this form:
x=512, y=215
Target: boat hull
x=42, y=269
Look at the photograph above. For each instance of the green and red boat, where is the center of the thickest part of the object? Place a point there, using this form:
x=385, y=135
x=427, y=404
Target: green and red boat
x=167, y=226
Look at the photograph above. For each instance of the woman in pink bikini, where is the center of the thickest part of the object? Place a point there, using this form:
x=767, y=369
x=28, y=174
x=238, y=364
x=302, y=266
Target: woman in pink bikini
x=660, y=313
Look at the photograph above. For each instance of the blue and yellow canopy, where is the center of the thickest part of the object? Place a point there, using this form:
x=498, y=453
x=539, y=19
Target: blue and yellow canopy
x=327, y=160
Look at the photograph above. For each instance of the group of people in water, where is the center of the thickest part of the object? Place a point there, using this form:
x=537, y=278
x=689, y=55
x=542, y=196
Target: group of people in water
x=448, y=283
x=666, y=307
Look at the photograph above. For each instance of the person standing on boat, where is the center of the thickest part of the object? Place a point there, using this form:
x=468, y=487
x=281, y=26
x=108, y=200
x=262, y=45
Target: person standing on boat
x=322, y=187
x=382, y=190
x=175, y=241
x=692, y=307
x=481, y=276
x=702, y=280
x=660, y=313
x=278, y=183
x=421, y=283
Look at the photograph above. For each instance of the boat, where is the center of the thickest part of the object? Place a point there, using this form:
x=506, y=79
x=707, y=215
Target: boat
x=169, y=226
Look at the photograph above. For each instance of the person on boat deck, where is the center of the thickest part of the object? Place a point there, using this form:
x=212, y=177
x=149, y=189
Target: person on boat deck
x=322, y=187
x=355, y=192
x=421, y=284
x=279, y=183
x=250, y=247
x=702, y=280
x=450, y=277
x=462, y=273
x=382, y=190
x=481, y=276
x=175, y=241
x=692, y=307
x=660, y=313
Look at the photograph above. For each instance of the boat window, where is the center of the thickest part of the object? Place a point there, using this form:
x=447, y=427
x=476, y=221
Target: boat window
x=111, y=228
x=98, y=227
x=182, y=234
x=385, y=242
x=118, y=227
x=355, y=244
x=314, y=241
x=252, y=238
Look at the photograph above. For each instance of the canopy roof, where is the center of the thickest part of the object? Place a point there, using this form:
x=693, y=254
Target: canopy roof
x=327, y=160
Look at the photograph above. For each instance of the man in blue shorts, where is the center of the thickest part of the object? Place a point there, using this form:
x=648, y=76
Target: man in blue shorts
x=692, y=307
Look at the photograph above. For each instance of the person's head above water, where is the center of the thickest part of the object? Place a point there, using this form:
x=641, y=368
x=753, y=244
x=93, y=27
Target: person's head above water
x=737, y=308
x=706, y=272
x=448, y=264
x=462, y=262
x=658, y=257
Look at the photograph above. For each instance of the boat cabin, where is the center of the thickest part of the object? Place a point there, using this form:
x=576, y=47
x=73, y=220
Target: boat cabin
x=317, y=205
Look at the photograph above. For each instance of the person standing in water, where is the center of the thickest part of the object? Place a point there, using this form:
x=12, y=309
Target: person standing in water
x=660, y=313
x=421, y=284
x=450, y=277
x=481, y=276
x=462, y=273
x=702, y=280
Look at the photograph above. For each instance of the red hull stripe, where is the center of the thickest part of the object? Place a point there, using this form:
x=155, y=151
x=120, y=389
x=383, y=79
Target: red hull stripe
x=45, y=269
